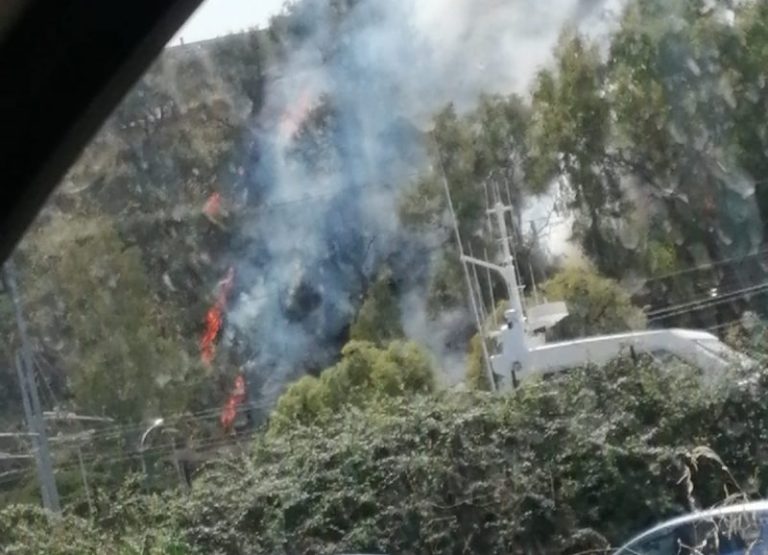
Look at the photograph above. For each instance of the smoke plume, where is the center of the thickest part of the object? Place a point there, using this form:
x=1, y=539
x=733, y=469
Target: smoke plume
x=371, y=73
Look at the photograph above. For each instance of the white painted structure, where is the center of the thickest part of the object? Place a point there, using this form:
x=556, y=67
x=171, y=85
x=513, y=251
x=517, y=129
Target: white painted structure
x=518, y=352
x=518, y=358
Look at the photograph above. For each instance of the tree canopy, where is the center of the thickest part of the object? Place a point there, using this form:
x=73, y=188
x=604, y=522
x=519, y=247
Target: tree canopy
x=596, y=305
x=364, y=374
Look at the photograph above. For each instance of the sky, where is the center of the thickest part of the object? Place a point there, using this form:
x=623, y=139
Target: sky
x=221, y=17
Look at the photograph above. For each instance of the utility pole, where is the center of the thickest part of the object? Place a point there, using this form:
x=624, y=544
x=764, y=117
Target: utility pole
x=77, y=438
x=29, y=418
x=31, y=400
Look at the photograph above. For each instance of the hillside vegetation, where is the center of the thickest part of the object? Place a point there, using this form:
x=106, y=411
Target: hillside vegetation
x=271, y=205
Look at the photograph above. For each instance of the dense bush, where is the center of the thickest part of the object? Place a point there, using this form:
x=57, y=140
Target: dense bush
x=580, y=462
x=27, y=530
x=596, y=304
x=364, y=374
x=596, y=455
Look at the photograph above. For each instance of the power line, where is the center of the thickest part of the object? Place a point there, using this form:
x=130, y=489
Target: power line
x=702, y=301
x=160, y=451
x=710, y=265
x=699, y=307
x=712, y=295
x=173, y=419
x=724, y=325
x=714, y=301
x=207, y=414
x=708, y=299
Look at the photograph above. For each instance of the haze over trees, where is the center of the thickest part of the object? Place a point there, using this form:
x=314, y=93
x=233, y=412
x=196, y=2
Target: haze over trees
x=347, y=305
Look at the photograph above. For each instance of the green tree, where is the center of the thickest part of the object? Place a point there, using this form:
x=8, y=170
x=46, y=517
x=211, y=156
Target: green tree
x=670, y=96
x=123, y=354
x=746, y=56
x=379, y=319
x=364, y=374
x=684, y=87
x=482, y=156
x=596, y=304
x=569, y=138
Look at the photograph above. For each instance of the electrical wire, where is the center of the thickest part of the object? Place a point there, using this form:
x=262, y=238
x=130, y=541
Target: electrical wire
x=162, y=451
x=724, y=325
x=714, y=301
x=157, y=451
x=725, y=284
x=705, y=300
x=207, y=414
x=722, y=262
x=708, y=298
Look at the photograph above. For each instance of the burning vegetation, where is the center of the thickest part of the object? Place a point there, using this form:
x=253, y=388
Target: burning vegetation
x=214, y=318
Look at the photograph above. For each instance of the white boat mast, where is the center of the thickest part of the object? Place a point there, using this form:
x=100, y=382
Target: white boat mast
x=521, y=353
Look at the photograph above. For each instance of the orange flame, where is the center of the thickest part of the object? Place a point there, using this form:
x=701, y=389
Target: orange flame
x=212, y=206
x=214, y=318
x=293, y=117
x=235, y=399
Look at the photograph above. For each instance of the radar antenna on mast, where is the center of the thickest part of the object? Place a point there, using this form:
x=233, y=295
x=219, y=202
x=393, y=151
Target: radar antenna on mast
x=523, y=351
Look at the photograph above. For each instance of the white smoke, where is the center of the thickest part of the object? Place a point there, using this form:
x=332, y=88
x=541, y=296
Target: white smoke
x=434, y=334
x=386, y=67
x=498, y=46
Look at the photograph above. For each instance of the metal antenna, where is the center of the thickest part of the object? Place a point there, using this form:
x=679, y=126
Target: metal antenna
x=515, y=351
x=508, y=262
x=490, y=289
x=498, y=212
x=485, y=254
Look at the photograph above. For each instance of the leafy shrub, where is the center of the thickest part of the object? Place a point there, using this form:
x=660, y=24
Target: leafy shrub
x=365, y=372
x=577, y=463
x=596, y=304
